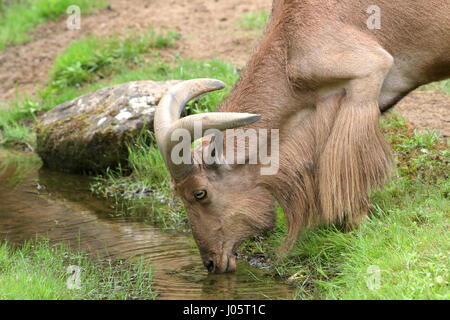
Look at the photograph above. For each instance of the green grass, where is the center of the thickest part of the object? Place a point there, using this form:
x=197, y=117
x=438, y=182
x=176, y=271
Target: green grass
x=408, y=243
x=92, y=59
x=17, y=18
x=254, y=21
x=13, y=123
x=443, y=86
x=406, y=237
x=39, y=271
x=158, y=70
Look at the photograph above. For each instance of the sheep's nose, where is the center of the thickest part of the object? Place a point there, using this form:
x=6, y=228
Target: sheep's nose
x=209, y=264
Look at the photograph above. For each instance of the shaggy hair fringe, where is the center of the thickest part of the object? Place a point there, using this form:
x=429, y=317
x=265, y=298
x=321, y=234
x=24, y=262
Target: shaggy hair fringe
x=343, y=156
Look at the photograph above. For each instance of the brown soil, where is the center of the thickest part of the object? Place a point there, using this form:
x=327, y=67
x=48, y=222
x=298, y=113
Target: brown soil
x=208, y=29
x=427, y=110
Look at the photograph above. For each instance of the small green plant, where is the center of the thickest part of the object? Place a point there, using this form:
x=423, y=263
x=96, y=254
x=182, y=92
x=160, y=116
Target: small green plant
x=14, y=120
x=12, y=134
x=19, y=17
x=254, y=20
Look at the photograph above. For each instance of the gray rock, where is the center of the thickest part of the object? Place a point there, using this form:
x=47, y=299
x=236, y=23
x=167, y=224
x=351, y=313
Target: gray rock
x=89, y=134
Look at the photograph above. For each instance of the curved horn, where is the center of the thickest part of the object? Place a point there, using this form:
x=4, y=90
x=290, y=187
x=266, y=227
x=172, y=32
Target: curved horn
x=167, y=119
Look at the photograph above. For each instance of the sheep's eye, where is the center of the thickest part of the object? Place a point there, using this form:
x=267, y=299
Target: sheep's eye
x=200, y=194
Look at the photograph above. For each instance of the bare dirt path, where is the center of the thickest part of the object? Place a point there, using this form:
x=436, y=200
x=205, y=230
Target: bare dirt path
x=208, y=28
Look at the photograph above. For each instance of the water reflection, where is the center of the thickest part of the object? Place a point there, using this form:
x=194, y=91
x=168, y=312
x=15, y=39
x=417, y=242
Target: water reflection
x=60, y=207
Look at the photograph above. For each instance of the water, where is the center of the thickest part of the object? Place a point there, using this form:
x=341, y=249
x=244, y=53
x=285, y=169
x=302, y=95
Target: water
x=60, y=207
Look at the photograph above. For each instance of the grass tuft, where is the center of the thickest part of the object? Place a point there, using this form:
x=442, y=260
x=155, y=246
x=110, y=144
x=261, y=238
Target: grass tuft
x=254, y=21
x=39, y=271
x=443, y=86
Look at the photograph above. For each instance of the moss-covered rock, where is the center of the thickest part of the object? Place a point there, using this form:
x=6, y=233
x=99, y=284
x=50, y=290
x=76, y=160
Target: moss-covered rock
x=90, y=134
